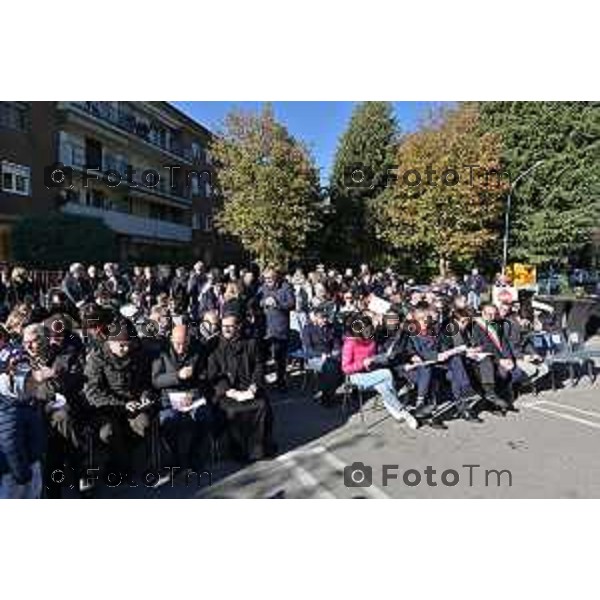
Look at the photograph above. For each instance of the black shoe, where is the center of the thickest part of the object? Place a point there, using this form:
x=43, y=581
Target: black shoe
x=271, y=450
x=422, y=410
x=465, y=408
x=472, y=401
x=496, y=401
x=469, y=416
x=268, y=451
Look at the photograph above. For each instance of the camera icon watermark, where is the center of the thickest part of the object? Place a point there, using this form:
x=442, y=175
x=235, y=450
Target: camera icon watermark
x=58, y=176
x=359, y=177
x=358, y=475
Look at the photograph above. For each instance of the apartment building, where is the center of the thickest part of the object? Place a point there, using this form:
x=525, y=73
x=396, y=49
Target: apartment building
x=142, y=167
x=24, y=153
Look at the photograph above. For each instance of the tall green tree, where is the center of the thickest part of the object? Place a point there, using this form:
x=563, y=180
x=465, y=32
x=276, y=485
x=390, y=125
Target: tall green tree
x=445, y=207
x=363, y=159
x=269, y=185
x=557, y=205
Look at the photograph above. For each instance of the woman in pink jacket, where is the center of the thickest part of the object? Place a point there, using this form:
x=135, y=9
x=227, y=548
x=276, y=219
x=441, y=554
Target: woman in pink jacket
x=358, y=351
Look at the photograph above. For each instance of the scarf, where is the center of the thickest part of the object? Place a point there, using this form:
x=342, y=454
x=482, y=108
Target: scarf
x=491, y=330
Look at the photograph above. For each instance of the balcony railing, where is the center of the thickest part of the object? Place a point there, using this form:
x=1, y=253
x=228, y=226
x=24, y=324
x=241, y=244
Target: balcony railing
x=149, y=131
x=15, y=115
x=72, y=156
x=132, y=224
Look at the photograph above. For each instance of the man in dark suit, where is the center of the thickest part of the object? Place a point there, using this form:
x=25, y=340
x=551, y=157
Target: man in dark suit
x=180, y=369
x=496, y=362
x=236, y=373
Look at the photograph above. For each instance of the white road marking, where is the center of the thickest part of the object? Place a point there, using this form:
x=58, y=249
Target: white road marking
x=333, y=460
x=590, y=413
x=339, y=465
x=564, y=416
x=306, y=478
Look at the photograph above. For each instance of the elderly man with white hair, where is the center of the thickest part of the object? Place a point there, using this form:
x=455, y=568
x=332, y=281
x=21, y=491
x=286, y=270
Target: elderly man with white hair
x=179, y=375
x=114, y=283
x=195, y=284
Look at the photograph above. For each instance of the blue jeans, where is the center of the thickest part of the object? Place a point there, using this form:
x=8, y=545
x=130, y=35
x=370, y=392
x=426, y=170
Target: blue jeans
x=382, y=381
x=459, y=378
x=421, y=378
x=298, y=320
x=315, y=364
x=474, y=299
x=9, y=488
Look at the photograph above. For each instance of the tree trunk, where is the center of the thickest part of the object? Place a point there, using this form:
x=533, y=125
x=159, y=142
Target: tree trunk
x=444, y=264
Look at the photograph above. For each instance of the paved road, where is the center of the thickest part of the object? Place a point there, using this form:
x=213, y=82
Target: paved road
x=548, y=449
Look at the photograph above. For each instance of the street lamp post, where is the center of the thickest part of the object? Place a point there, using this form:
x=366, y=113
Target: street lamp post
x=507, y=215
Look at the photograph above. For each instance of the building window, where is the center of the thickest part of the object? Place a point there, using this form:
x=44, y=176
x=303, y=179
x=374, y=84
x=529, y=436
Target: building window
x=159, y=212
x=104, y=110
x=16, y=179
x=15, y=115
x=93, y=154
x=72, y=196
x=180, y=217
x=194, y=182
x=208, y=223
x=71, y=150
x=196, y=221
x=198, y=153
x=95, y=198
x=157, y=135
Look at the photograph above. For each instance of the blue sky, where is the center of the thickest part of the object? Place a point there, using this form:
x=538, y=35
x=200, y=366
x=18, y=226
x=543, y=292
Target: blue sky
x=318, y=124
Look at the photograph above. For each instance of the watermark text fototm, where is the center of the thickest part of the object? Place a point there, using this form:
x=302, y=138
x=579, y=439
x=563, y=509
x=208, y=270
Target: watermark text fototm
x=360, y=176
x=61, y=176
x=69, y=478
x=360, y=475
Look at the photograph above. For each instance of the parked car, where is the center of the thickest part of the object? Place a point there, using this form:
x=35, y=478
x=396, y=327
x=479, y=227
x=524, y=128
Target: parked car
x=583, y=278
x=548, y=283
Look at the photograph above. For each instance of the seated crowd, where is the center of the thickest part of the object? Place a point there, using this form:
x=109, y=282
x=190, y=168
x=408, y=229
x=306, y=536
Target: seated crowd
x=107, y=357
